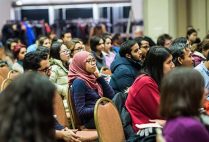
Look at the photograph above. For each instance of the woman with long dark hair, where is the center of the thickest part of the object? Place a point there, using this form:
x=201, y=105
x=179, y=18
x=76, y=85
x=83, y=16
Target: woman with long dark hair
x=59, y=57
x=97, y=46
x=144, y=95
x=26, y=110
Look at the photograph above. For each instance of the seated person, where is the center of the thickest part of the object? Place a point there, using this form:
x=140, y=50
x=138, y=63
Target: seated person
x=144, y=95
x=38, y=61
x=125, y=66
x=27, y=111
x=87, y=86
x=180, y=106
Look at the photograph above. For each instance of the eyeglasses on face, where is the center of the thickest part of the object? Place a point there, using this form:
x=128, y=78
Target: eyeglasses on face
x=91, y=61
x=66, y=51
x=79, y=49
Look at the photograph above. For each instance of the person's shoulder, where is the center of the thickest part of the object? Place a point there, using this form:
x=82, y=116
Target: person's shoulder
x=145, y=79
x=78, y=81
x=143, y=82
x=201, y=67
x=78, y=84
x=54, y=66
x=186, y=122
x=186, y=129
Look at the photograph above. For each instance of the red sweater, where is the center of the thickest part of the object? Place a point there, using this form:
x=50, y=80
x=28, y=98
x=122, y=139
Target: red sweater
x=143, y=100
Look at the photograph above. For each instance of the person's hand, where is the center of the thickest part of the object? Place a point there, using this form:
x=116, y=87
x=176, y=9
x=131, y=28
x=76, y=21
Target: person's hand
x=69, y=136
x=106, y=71
x=159, y=137
x=147, y=129
x=145, y=132
x=97, y=74
x=74, y=130
x=159, y=121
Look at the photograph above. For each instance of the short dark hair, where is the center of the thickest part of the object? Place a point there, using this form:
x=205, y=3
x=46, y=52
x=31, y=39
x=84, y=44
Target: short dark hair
x=203, y=46
x=190, y=31
x=177, y=49
x=125, y=47
x=179, y=40
x=153, y=64
x=139, y=40
x=43, y=49
x=161, y=39
x=181, y=93
x=55, y=50
x=94, y=41
x=107, y=36
x=27, y=109
x=116, y=36
x=32, y=60
x=63, y=33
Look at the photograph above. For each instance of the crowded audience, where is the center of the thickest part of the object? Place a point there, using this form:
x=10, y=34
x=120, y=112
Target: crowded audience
x=164, y=85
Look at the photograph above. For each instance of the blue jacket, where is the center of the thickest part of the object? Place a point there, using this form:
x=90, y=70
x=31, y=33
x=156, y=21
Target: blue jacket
x=85, y=99
x=124, y=72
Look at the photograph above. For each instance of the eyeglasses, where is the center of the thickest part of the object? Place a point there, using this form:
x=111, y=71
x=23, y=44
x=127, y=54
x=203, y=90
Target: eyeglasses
x=79, y=49
x=66, y=51
x=91, y=61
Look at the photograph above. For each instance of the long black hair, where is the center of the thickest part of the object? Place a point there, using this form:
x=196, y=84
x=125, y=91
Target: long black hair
x=55, y=50
x=153, y=64
x=26, y=112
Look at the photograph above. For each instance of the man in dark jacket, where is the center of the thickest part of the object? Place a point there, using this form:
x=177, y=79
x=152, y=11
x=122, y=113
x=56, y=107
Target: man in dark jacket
x=125, y=66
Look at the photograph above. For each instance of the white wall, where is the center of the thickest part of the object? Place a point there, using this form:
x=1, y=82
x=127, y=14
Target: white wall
x=198, y=16
x=137, y=7
x=5, y=6
x=62, y=1
x=159, y=17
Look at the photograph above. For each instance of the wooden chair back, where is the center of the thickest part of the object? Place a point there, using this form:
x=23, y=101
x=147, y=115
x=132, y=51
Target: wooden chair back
x=108, y=122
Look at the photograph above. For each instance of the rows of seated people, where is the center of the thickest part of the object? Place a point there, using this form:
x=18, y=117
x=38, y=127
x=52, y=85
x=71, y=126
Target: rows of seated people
x=165, y=86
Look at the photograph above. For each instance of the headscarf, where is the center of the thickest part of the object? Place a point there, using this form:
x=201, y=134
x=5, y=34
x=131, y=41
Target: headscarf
x=77, y=69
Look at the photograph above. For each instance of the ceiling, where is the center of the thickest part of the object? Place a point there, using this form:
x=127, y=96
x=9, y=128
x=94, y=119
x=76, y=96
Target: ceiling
x=52, y=2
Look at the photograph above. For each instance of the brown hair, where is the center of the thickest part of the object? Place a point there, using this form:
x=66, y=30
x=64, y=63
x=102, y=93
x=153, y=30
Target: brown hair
x=203, y=46
x=70, y=45
x=181, y=93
